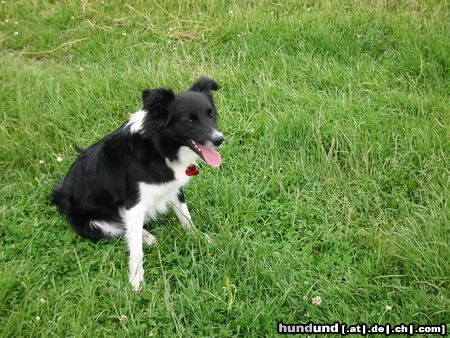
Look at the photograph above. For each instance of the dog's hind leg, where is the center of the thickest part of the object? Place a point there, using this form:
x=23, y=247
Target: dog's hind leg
x=182, y=211
x=148, y=238
x=108, y=229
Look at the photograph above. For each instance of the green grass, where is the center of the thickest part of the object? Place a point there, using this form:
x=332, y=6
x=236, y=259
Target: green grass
x=334, y=182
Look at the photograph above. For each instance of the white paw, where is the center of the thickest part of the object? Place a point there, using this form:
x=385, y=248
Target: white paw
x=187, y=225
x=148, y=238
x=208, y=238
x=137, y=279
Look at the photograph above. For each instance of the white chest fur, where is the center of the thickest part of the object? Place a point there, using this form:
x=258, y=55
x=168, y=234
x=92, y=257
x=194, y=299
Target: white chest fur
x=155, y=198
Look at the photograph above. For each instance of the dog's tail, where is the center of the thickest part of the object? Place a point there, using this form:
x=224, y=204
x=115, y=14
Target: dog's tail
x=60, y=199
x=78, y=149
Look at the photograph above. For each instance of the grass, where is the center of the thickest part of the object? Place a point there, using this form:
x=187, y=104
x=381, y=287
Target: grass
x=334, y=182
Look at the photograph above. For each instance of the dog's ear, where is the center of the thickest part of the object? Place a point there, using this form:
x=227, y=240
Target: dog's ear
x=156, y=102
x=204, y=84
x=155, y=99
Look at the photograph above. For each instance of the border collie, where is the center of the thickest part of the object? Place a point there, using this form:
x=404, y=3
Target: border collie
x=137, y=171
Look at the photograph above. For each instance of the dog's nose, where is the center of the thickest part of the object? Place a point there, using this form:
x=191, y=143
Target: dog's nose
x=217, y=140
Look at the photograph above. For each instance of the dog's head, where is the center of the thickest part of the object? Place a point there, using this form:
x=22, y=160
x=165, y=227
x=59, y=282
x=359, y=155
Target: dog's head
x=186, y=119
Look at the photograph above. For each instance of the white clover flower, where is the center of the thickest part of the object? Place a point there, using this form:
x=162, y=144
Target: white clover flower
x=317, y=300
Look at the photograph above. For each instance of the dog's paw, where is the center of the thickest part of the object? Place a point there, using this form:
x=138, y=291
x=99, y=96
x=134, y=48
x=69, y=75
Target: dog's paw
x=187, y=225
x=136, y=273
x=208, y=238
x=137, y=280
x=204, y=236
x=148, y=238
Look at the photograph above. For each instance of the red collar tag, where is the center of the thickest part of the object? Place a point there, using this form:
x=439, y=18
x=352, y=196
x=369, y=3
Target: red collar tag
x=192, y=170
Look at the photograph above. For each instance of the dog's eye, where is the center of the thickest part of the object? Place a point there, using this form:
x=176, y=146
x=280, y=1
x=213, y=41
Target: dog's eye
x=210, y=113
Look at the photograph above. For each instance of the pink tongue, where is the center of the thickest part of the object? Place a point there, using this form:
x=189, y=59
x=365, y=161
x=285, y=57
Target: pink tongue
x=211, y=156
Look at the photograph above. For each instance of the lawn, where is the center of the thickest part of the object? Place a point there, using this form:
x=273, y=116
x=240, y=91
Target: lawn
x=335, y=175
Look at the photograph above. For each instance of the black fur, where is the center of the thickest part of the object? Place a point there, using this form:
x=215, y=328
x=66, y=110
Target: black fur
x=181, y=195
x=105, y=175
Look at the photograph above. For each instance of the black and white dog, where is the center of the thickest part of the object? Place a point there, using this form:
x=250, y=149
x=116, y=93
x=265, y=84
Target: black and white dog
x=139, y=170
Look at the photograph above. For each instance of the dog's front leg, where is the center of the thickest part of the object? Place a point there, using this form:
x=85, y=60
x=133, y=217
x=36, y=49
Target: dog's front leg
x=182, y=211
x=184, y=216
x=134, y=223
